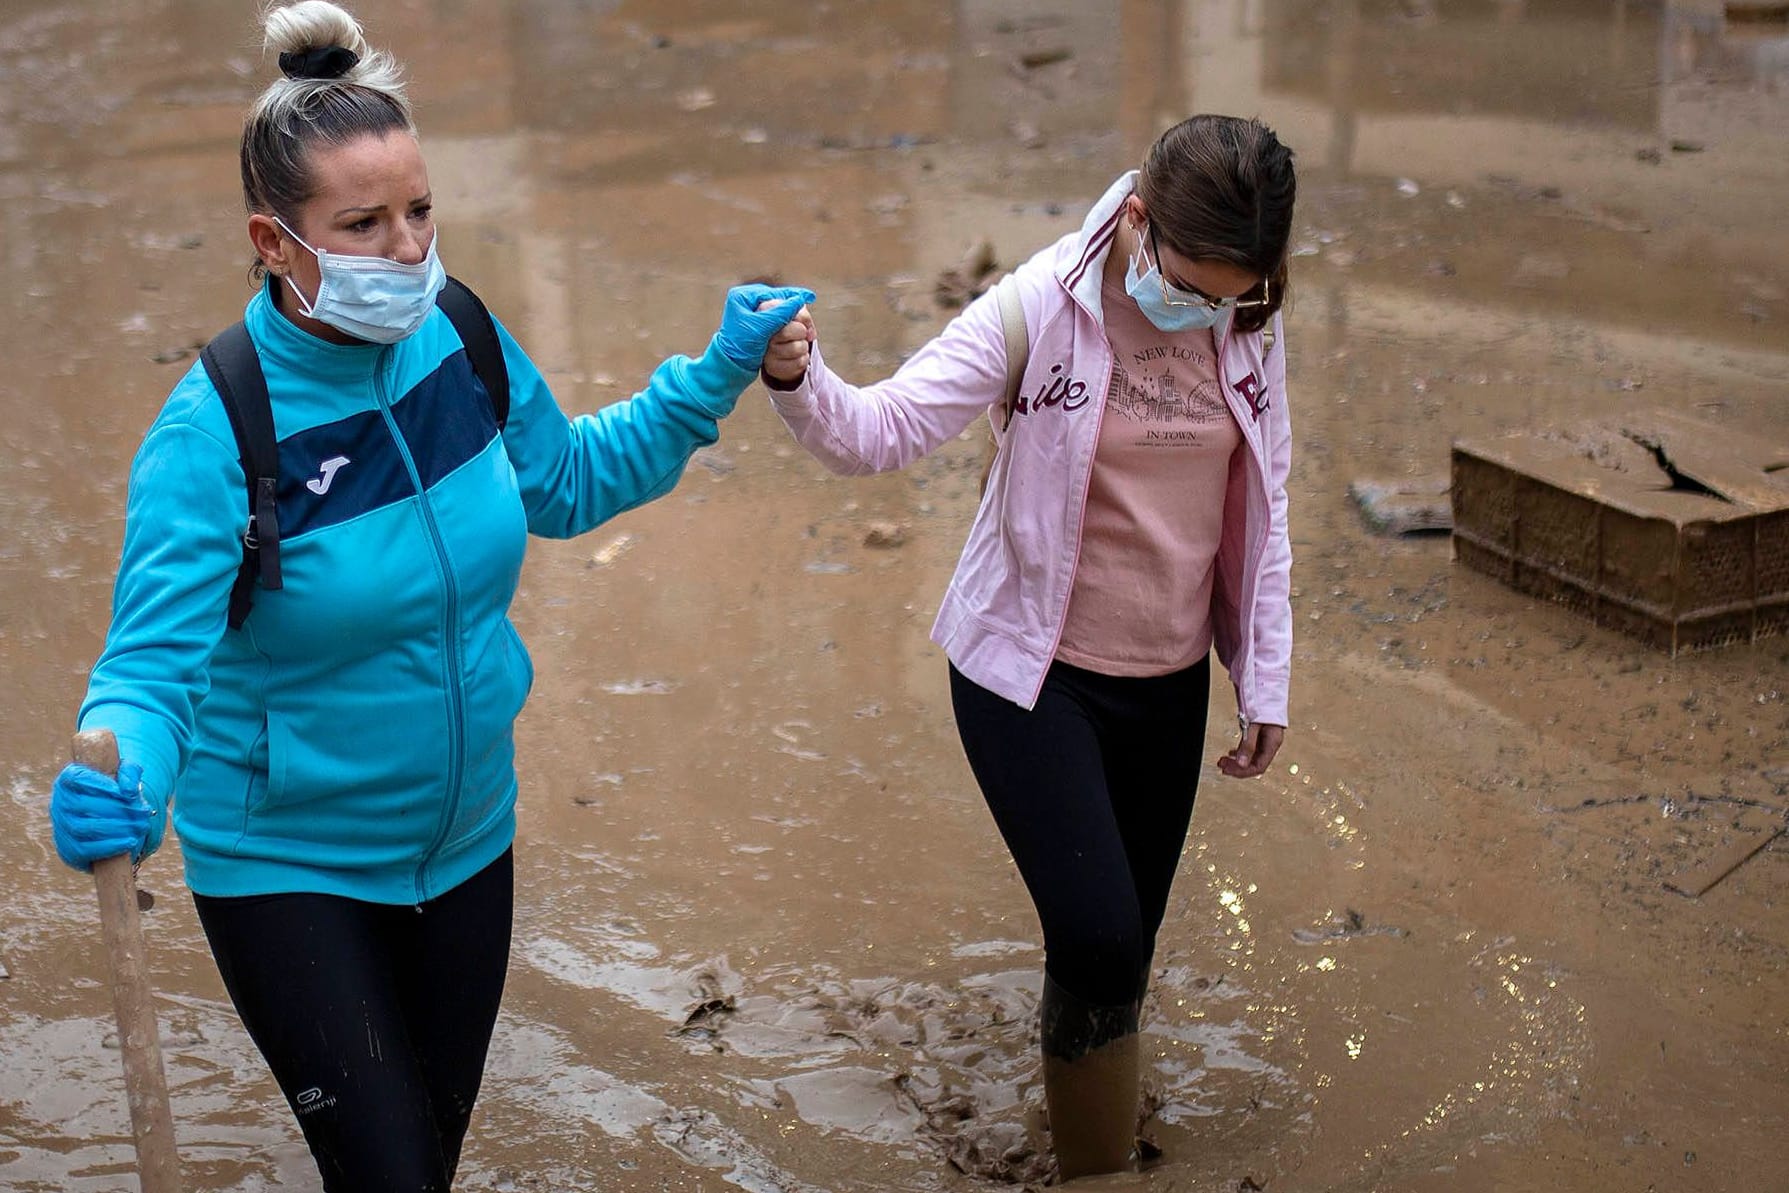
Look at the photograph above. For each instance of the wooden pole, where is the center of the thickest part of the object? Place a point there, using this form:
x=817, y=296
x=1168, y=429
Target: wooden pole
x=145, y=1084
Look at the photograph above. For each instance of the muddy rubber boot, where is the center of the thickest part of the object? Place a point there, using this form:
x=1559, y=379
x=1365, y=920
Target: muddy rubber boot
x=1091, y=1058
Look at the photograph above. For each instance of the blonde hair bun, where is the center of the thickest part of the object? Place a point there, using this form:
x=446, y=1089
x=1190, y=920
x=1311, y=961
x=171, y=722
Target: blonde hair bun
x=316, y=41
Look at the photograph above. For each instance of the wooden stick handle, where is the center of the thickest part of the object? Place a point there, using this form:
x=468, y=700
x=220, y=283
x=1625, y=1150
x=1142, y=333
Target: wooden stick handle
x=145, y=1083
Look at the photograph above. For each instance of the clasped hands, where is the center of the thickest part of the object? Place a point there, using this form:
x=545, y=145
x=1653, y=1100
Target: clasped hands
x=786, y=355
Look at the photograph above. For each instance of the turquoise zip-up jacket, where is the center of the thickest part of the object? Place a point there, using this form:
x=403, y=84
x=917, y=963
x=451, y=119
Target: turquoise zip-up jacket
x=354, y=737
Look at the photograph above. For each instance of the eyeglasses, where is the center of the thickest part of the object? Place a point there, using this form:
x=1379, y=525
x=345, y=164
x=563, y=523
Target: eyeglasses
x=1176, y=296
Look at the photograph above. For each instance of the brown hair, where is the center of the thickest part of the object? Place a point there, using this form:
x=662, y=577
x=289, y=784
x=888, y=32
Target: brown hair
x=1223, y=187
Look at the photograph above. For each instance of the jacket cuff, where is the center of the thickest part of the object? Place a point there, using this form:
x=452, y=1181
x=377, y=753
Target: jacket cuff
x=715, y=382
x=1263, y=710
x=774, y=385
x=139, y=741
x=799, y=398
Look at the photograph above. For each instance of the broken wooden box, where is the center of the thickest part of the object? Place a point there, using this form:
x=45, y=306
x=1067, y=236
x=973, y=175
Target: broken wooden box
x=1668, y=528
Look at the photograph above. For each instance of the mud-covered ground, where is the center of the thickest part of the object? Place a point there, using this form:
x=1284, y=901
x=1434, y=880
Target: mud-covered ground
x=767, y=938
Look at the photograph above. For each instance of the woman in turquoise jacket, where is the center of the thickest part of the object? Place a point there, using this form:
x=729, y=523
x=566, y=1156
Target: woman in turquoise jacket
x=340, y=768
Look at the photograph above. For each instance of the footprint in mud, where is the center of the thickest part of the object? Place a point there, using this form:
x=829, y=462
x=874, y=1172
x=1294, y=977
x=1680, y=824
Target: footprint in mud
x=950, y=1065
x=966, y=1078
x=1003, y=1151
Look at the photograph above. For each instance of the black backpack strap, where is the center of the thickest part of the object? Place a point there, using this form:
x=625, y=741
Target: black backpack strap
x=235, y=373
x=479, y=334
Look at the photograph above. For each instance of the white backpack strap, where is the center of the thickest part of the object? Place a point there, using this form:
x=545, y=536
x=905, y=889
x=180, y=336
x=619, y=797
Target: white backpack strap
x=1018, y=344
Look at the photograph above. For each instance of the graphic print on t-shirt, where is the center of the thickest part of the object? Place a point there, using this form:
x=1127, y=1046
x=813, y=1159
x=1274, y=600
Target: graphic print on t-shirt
x=1151, y=390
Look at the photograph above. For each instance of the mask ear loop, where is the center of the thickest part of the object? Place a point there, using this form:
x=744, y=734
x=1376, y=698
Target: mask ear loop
x=304, y=304
x=1137, y=254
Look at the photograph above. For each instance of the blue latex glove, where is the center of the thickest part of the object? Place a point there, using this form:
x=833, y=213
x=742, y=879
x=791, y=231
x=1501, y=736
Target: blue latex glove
x=94, y=816
x=745, y=331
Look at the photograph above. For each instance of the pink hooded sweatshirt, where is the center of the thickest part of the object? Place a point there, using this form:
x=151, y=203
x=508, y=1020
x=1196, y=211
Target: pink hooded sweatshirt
x=1002, y=616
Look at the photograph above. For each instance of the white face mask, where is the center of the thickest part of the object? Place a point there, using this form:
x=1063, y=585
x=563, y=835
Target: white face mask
x=371, y=298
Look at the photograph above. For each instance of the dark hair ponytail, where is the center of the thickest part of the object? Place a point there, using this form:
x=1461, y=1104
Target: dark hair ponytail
x=1223, y=187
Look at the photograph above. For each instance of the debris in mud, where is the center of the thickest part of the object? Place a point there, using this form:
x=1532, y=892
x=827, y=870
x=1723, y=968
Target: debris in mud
x=1686, y=147
x=970, y=278
x=703, y=1020
x=700, y=1019
x=885, y=535
x=1249, y=1184
x=1685, y=806
x=1003, y=1152
x=1411, y=505
x=1702, y=878
x=1344, y=927
x=4, y=972
x=1032, y=59
x=169, y=356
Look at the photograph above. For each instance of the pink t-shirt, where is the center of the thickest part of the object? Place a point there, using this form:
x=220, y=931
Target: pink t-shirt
x=1141, y=602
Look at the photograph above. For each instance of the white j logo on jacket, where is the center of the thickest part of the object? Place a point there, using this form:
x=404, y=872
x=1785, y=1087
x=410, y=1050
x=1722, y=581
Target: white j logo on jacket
x=320, y=484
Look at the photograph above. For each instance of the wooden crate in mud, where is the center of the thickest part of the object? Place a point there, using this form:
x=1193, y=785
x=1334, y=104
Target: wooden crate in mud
x=1654, y=523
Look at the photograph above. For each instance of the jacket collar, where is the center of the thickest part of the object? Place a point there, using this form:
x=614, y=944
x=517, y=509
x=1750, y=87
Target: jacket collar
x=284, y=345
x=1081, y=271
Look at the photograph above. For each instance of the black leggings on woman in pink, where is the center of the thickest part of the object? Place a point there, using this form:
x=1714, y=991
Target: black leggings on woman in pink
x=1093, y=791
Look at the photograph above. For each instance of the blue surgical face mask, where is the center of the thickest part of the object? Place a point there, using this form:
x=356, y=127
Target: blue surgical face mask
x=1147, y=291
x=371, y=298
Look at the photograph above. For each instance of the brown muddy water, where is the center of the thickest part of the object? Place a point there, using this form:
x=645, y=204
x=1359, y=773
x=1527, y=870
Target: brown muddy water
x=1411, y=957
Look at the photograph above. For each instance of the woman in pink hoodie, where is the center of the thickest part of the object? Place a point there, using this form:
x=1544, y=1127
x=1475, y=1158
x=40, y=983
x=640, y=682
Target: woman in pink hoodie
x=1134, y=518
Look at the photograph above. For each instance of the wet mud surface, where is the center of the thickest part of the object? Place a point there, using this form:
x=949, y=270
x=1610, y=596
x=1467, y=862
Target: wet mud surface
x=766, y=936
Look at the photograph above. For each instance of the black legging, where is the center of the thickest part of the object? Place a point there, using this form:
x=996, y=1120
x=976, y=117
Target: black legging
x=375, y=1019
x=1093, y=790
